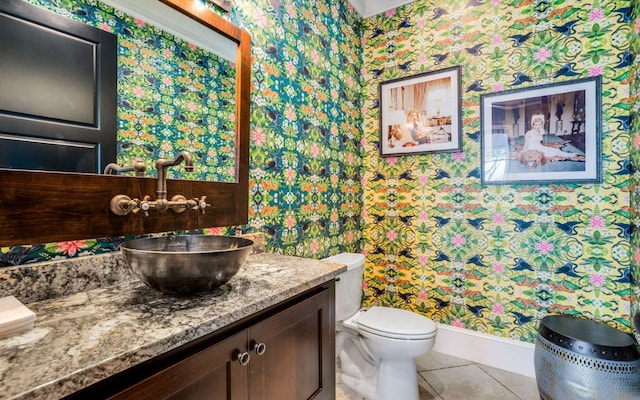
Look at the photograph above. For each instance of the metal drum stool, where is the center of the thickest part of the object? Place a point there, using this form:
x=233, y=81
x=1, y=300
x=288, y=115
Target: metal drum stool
x=582, y=359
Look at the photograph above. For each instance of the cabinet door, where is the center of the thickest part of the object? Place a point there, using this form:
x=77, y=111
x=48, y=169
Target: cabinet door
x=298, y=362
x=212, y=374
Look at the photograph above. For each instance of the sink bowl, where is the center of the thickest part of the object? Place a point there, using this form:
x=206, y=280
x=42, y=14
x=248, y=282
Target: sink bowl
x=186, y=264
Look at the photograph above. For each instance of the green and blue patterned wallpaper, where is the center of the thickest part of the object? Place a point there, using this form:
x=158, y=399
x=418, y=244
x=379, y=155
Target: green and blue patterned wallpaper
x=305, y=189
x=634, y=96
x=496, y=259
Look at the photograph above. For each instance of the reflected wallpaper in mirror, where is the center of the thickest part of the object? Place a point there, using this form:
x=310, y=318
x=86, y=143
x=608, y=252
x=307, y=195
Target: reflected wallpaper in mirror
x=172, y=96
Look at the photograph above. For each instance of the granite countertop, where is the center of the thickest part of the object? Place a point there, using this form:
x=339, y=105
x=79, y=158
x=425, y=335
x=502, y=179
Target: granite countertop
x=85, y=337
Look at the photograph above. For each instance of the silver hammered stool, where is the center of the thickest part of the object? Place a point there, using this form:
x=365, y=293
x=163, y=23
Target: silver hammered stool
x=577, y=358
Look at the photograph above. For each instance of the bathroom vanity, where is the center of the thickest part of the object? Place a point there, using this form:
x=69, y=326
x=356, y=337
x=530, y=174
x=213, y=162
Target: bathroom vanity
x=267, y=334
x=279, y=356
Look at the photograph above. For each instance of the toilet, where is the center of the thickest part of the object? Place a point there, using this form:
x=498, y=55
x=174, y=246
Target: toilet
x=377, y=347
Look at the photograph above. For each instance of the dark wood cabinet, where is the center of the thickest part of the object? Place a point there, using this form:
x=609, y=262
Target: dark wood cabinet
x=290, y=348
x=210, y=374
x=299, y=352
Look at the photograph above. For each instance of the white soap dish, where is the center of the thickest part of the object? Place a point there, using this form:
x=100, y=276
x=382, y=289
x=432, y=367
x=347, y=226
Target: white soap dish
x=15, y=318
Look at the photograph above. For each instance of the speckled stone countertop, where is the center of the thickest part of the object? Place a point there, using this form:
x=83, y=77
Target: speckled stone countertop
x=82, y=338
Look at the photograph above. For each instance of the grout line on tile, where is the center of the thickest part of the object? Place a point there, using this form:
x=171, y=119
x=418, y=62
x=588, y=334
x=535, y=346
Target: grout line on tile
x=483, y=367
x=497, y=380
x=511, y=372
x=433, y=390
x=448, y=367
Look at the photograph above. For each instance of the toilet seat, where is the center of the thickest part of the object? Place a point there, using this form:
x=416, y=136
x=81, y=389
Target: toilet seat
x=352, y=321
x=396, y=323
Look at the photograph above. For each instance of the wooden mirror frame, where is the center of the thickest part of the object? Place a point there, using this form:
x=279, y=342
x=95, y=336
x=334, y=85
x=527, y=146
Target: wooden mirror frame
x=44, y=207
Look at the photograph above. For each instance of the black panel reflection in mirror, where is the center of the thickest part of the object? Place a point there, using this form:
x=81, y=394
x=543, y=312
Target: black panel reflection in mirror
x=172, y=94
x=57, y=91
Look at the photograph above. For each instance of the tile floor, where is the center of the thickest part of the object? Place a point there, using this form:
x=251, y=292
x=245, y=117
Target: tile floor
x=443, y=377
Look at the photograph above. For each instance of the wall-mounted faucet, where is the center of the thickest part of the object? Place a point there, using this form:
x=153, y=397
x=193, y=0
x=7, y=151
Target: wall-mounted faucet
x=161, y=187
x=138, y=166
x=122, y=204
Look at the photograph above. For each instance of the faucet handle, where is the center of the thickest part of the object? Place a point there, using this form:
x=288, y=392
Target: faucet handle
x=145, y=205
x=202, y=203
x=122, y=205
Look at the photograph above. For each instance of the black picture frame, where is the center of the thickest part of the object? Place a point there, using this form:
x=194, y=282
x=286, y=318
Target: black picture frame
x=548, y=133
x=421, y=113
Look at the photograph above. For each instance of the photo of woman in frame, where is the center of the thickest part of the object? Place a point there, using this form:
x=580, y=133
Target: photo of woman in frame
x=549, y=133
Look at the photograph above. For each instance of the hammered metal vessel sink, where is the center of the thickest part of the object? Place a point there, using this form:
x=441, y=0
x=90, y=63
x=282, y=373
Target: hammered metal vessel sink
x=186, y=264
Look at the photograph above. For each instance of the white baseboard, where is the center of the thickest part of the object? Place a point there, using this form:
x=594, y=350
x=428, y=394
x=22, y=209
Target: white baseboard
x=493, y=351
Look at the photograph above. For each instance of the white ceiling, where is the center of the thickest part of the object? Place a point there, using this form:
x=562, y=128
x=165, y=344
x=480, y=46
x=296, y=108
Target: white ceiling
x=367, y=8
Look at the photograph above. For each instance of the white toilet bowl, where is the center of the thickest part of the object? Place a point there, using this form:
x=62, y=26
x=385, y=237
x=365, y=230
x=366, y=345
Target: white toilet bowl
x=377, y=347
x=380, y=364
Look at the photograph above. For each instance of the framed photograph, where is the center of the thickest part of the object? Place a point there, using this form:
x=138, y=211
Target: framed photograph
x=421, y=113
x=543, y=134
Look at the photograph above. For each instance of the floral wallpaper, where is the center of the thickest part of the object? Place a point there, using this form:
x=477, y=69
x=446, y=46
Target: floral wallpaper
x=635, y=161
x=305, y=188
x=496, y=259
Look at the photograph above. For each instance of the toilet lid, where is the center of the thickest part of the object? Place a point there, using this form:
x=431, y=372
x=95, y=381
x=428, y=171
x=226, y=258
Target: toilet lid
x=396, y=323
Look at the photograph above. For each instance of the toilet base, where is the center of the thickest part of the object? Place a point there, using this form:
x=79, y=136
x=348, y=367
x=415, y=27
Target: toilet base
x=363, y=387
x=400, y=380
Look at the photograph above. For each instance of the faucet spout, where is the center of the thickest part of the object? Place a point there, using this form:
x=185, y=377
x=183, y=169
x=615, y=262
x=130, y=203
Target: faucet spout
x=138, y=166
x=162, y=165
x=182, y=156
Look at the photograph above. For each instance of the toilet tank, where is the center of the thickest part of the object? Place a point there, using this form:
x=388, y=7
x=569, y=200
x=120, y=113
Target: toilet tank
x=348, y=284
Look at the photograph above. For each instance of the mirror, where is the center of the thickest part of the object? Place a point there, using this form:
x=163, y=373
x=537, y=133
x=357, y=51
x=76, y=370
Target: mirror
x=57, y=91
x=175, y=91
x=44, y=207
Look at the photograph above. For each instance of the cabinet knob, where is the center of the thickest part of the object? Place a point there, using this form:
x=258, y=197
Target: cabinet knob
x=244, y=358
x=259, y=348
